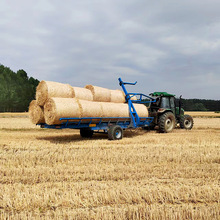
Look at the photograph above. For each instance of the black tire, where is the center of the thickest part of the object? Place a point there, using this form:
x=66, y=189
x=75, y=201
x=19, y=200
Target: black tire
x=115, y=132
x=86, y=132
x=167, y=122
x=186, y=122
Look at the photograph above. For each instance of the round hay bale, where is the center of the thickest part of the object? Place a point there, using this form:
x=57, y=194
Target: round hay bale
x=122, y=110
x=90, y=109
x=82, y=93
x=48, y=89
x=111, y=110
x=36, y=113
x=99, y=94
x=56, y=108
x=141, y=109
x=117, y=96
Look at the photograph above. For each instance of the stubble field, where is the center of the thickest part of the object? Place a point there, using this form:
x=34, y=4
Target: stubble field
x=55, y=174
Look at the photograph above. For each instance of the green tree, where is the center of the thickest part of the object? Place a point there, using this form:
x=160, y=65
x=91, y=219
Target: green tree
x=16, y=89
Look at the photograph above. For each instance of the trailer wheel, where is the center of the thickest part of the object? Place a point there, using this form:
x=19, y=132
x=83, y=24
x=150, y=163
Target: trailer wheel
x=115, y=132
x=186, y=122
x=166, y=122
x=86, y=132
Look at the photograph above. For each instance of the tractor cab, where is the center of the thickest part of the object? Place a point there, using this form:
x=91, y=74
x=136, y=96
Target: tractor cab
x=168, y=112
x=165, y=102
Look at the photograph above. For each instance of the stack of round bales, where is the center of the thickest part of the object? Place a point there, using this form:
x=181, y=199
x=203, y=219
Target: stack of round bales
x=56, y=100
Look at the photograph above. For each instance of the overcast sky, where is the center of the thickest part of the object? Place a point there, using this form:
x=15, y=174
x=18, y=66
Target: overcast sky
x=165, y=45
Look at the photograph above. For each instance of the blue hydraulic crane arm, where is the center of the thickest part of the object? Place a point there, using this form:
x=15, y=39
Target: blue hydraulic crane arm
x=122, y=84
x=135, y=119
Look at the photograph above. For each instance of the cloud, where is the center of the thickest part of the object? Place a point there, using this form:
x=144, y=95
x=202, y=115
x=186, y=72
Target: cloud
x=168, y=46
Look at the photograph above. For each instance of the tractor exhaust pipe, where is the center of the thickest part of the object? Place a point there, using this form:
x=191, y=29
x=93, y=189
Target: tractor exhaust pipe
x=180, y=105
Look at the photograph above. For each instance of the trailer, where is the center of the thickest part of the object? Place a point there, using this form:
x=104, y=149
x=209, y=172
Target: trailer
x=113, y=126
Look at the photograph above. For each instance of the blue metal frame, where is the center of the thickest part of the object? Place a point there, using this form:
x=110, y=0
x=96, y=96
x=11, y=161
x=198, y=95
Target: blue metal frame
x=98, y=123
x=135, y=122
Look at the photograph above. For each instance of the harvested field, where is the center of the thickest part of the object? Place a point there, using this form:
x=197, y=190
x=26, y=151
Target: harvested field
x=204, y=114
x=55, y=174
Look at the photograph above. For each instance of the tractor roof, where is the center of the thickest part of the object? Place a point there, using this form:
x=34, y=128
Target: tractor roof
x=161, y=94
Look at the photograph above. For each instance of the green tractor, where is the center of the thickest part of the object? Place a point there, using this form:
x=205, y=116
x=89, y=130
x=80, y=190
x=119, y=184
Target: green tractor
x=168, y=113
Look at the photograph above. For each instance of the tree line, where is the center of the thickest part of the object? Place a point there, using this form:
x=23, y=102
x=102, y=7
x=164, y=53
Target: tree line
x=16, y=90
x=201, y=105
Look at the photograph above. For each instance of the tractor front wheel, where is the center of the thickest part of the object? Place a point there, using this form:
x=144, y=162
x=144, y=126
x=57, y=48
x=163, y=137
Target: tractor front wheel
x=167, y=122
x=186, y=122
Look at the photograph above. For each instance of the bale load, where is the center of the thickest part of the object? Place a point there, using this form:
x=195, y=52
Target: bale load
x=56, y=100
x=56, y=108
x=90, y=109
x=48, y=89
x=100, y=94
x=117, y=96
x=111, y=110
x=36, y=113
x=82, y=93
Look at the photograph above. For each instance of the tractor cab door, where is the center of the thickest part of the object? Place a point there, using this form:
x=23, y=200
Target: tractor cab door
x=168, y=103
x=172, y=105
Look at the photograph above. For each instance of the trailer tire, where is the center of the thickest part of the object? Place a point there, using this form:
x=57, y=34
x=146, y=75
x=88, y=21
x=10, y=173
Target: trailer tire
x=86, y=132
x=115, y=132
x=186, y=122
x=167, y=122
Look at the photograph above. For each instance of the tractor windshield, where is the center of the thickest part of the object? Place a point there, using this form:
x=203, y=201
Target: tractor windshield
x=165, y=102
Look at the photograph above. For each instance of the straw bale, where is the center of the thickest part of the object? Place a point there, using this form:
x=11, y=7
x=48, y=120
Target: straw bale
x=36, y=113
x=56, y=108
x=133, y=97
x=122, y=110
x=100, y=94
x=48, y=89
x=141, y=109
x=117, y=96
x=82, y=93
x=90, y=109
x=115, y=109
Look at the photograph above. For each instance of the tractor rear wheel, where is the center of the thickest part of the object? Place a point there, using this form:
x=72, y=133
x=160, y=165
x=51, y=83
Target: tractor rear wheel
x=115, y=132
x=86, y=132
x=167, y=122
x=186, y=122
